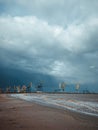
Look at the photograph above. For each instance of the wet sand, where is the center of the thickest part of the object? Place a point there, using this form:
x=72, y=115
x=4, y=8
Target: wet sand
x=17, y=114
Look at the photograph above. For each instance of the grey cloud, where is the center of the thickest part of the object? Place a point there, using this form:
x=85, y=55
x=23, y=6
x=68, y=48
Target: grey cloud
x=33, y=45
x=61, y=12
x=56, y=37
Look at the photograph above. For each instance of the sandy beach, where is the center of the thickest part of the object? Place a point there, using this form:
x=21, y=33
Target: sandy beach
x=18, y=114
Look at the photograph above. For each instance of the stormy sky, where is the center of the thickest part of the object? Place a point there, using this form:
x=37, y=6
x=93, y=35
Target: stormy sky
x=51, y=37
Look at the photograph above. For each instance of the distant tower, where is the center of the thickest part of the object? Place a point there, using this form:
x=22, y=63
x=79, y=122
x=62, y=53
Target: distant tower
x=18, y=89
x=23, y=89
x=77, y=87
x=62, y=86
x=40, y=86
x=29, y=87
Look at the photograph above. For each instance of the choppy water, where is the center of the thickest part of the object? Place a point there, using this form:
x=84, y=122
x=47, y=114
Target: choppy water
x=82, y=103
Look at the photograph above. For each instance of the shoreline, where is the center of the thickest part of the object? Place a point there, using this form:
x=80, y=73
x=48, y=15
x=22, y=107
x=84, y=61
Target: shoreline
x=16, y=114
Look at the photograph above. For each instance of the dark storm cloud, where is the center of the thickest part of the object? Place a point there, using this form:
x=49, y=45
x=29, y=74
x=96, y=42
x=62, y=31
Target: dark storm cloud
x=57, y=38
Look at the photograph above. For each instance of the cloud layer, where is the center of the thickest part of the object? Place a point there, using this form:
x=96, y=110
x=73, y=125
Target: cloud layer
x=58, y=38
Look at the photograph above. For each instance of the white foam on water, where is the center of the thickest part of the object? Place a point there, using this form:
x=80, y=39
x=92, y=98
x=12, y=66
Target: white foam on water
x=86, y=107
